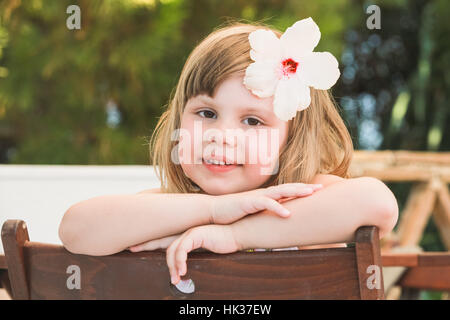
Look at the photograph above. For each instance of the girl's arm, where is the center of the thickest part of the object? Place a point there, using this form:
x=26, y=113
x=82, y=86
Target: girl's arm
x=330, y=215
x=108, y=224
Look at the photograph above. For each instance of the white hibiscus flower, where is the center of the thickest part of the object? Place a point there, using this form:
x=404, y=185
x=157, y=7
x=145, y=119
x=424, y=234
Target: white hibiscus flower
x=287, y=66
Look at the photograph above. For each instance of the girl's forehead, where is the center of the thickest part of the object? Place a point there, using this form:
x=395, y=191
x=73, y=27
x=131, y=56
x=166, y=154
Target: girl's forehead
x=232, y=93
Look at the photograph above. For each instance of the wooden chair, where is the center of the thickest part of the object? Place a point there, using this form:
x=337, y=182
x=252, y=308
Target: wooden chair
x=425, y=270
x=47, y=271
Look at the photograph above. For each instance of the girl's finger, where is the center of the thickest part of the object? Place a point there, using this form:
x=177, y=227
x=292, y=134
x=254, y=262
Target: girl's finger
x=154, y=244
x=165, y=242
x=150, y=245
x=134, y=248
x=170, y=259
x=291, y=190
x=262, y=203
x=184, y=247
x=189, y=243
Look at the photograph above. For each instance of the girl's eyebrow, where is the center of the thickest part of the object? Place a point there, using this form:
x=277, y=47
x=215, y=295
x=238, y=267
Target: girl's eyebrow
x=248, y=109
x=206, y=100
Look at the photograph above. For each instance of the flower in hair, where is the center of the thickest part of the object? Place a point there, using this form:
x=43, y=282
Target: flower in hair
x=287, y=66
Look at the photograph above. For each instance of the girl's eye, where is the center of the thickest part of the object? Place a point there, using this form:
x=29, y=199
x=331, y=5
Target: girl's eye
x=208, y=113
x=253, y=122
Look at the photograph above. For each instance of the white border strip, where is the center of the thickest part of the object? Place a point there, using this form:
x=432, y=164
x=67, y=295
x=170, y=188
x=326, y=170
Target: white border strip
x=28, y=172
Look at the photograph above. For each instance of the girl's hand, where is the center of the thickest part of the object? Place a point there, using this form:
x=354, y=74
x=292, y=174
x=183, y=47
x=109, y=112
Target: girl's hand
x=215, y=238
x=232, y=207
x=161, y=243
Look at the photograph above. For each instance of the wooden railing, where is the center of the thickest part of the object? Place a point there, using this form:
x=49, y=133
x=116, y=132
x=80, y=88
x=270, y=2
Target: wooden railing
x=408, y=268
x=429, y=196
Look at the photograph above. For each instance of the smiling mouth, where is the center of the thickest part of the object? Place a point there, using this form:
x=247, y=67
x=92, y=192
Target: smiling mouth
x=219, y=166
x=217, y=162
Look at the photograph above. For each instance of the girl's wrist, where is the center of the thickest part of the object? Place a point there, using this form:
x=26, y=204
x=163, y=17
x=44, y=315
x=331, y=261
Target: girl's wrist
x=236, y=231
x=210, y=205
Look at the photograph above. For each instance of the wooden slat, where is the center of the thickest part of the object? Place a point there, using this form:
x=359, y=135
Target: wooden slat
x=427, y=278
x=425, y=259
x=426, y=270
x=400, y=157
x=395, y=174
x=401, y=166
x=40, y=271
x=368, y=254
x=308, y=274
x=396, y=259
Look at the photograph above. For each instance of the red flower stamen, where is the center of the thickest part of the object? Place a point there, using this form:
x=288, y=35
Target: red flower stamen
x=289, y=66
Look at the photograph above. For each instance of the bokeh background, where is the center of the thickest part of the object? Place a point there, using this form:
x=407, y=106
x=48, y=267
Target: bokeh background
x=94, y=95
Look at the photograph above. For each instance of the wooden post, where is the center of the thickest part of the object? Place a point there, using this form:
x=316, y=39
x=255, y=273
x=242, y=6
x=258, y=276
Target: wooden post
x=14, y=236
x=415, y=216
x=369, y=263
x=442, y=215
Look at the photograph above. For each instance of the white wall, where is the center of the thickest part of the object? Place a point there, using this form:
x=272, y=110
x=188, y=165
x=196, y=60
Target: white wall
x=41, y=194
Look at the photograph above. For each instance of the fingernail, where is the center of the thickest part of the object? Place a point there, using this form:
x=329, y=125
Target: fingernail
x=285, y=212
x=173, y=279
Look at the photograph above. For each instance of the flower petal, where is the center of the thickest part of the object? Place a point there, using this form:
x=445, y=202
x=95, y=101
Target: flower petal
x=265, y=45
x=305, y=97
x=301, y=38
x=261, y=78
x=287, y=98
x=319, y=70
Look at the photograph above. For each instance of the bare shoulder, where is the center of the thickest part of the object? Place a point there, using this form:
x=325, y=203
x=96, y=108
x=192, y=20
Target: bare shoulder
x=155, y=190
x=326, y=179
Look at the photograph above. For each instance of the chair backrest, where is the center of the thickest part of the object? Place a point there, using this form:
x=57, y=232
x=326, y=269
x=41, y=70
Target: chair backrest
x=47, y=271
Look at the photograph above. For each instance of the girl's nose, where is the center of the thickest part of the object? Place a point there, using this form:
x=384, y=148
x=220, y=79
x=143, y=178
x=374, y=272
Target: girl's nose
x=222, y=136
x=227, y=142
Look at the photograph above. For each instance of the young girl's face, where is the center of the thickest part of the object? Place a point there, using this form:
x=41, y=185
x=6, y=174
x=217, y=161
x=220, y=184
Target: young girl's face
x=234, y=125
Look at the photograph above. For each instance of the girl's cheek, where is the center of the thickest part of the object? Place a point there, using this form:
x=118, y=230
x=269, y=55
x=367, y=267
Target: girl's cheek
x=266, y=152
x=183, y=150
x=190, y=144
x=252, y=153
x=267, y=147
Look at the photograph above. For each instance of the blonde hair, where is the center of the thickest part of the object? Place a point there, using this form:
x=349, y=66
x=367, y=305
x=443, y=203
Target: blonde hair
x=318, y=140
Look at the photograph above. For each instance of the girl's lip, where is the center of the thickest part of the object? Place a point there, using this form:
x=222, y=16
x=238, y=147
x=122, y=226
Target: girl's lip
x=219, y=168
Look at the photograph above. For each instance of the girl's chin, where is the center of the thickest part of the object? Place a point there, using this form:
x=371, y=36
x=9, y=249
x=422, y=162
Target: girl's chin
x=219, y=186
x=216, y=188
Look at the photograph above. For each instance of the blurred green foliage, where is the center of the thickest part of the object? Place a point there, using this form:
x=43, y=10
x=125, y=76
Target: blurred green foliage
x=93, y=96
x=130, y=53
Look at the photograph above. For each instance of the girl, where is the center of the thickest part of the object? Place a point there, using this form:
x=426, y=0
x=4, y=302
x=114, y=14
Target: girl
x=269, y=90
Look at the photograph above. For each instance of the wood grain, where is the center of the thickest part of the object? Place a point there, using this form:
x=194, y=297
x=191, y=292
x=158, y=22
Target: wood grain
x=295, y=274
